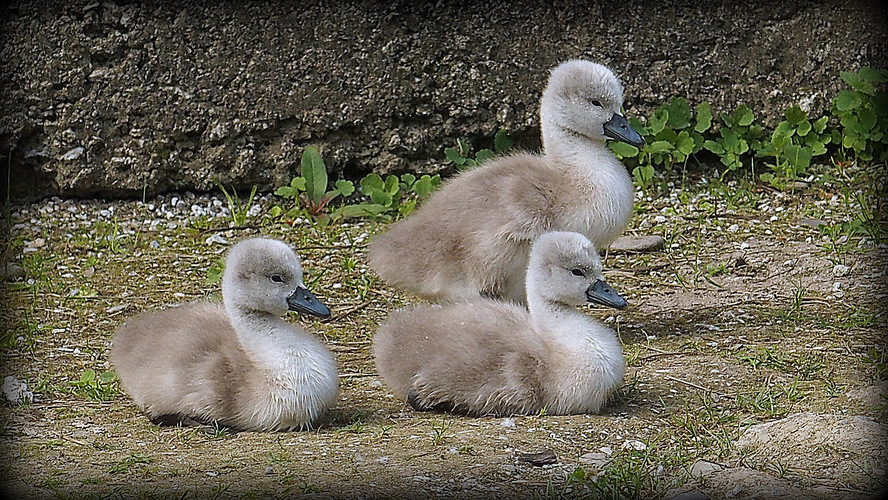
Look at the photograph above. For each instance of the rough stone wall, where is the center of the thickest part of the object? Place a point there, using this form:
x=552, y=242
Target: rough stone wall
x=116, y=98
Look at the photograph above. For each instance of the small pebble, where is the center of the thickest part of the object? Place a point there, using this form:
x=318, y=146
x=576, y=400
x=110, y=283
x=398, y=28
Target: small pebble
x=634, y=444
x=841, y=270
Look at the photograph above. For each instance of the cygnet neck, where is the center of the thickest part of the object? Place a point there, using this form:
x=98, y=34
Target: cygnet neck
x=259, y=332
x=546, y=311
x=570, y=148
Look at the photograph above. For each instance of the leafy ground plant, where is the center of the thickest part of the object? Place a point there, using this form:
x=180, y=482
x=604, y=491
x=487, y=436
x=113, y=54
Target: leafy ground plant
x=310, y=189
x=461, y=154
x=391, y=195
x=239, y=209
x=98, y=387
x=672, y=135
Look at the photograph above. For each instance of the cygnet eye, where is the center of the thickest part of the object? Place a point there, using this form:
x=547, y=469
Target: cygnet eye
x=577, y=272
x=595, y=102
x=277, y=278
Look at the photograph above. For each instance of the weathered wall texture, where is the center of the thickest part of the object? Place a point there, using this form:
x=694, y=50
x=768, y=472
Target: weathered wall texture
x=110, y=98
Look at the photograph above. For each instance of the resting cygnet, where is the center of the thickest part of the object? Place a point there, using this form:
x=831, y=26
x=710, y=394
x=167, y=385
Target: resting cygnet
x=237, y=363
x=473, y=236
x=486, y=357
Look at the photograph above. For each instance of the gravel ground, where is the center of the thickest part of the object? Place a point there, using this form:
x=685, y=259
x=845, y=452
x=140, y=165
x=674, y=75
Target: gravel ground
x=749, y=316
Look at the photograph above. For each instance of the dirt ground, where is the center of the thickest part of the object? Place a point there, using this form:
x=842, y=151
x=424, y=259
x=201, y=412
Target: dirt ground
x=754, y=341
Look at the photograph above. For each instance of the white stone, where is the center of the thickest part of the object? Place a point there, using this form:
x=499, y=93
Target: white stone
x=16, y=391
x=634, y=444
x=841, y=270
x=72, y=154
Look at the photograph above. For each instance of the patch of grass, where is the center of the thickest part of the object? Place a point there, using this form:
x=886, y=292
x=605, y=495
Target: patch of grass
x=701, y=424
x=239, y=210
x=440, y=431
x=215, y=431
x=357, y=427
x=628, y=474
x=805, y=365
x=467, y=449
x=767, y=403
x=875, y=357
x=132, y=460
x=96, y=387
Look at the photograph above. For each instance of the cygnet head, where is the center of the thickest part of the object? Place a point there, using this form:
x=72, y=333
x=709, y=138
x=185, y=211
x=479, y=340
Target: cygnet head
x=585, y=98
x=565, y=268
x=265, y=275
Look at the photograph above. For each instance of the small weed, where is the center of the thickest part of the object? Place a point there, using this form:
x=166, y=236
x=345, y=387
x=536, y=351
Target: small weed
x=390, y=195
x=307, y=488
x=101, y=387
x=106, y=235
x=672, y=135
x=805, y=365
x=717, y=268
x=460, y=155
x=239, y=210
x=876, y=358
x=440, y=430
x=862, y=111
x=311, y=187
x=357, y=427
x=467, y=449
x=219, y=489
x=794, y=142
x=214, y=271
x=215, y=431
x=765, y=402
x=129, y=462
x=737, y=136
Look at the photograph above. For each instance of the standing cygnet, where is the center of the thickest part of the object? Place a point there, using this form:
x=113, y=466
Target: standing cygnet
x=237, y=363
x=473, y=236
x=486, y=357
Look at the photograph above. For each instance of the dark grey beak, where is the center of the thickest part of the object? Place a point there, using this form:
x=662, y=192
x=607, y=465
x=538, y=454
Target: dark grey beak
x=618, y=129
x=602, y=293
x=303, y=301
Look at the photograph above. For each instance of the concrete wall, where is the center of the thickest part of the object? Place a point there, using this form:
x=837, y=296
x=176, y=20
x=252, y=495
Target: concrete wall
x=107, y=99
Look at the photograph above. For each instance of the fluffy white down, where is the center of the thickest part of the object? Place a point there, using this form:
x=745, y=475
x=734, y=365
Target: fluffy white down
x=488, y=357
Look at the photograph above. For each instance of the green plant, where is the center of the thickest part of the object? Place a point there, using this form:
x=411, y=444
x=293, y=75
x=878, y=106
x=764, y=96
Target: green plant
x=214, y=271
x=460, y=155
x=311, y=187
x=391, y=194
x=863, y=114
x=877, y=359
x=356, y=427
x=736, y=137
x=99, y=387
x=673, y=134
x=127, y=463
x=107, y=235
x=793, y=143
x=239, y=210
x=440, y=430
x=215, y=430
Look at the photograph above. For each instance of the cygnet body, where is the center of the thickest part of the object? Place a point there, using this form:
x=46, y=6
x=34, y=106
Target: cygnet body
x=487, y=357
x=237, y=363
x=473, y=236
